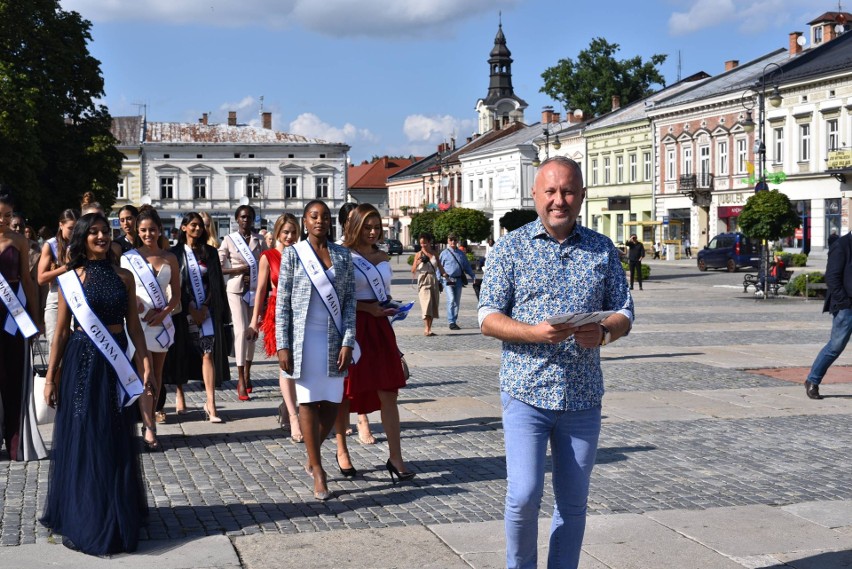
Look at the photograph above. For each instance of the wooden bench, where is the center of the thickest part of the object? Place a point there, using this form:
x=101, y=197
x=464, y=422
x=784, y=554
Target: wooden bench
x=753, y=280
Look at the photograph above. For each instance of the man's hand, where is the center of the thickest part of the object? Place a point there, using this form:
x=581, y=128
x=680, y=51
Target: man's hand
x=545, y=333
x=588, y=335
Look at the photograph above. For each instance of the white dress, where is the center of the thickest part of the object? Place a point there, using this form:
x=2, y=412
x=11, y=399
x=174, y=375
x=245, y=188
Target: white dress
x=315, y=383
x=164, y=277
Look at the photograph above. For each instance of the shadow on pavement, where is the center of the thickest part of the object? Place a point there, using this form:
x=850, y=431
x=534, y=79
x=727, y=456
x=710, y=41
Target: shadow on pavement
x=646, y=356
x=828, y=560
x=607, y=455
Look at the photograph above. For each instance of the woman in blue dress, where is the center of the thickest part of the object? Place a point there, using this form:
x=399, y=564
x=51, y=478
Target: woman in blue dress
x=95, y=498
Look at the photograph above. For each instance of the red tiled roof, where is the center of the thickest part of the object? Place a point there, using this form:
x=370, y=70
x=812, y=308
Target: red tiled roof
x=831, y=17
x=375, y=174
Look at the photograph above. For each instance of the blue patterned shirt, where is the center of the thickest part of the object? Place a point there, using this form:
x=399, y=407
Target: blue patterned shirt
x=531, y=277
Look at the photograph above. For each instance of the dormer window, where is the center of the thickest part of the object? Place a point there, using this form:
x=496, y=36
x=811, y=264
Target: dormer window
x=817, y=35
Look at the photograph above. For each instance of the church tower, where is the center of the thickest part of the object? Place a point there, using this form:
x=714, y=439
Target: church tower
x=501, y=106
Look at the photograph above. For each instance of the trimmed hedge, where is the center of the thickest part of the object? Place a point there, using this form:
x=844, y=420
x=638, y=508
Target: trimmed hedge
x=646, y=270
x=796, y=286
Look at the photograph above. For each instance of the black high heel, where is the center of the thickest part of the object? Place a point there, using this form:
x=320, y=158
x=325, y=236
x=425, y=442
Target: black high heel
x=151, y=446
x=403, y=476
x=347, y=472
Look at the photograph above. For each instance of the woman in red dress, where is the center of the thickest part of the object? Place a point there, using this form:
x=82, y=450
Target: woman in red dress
x=286, y=232
x=374, y=382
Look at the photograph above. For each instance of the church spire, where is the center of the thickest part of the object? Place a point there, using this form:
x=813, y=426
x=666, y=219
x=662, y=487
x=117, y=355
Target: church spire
x=500, y=106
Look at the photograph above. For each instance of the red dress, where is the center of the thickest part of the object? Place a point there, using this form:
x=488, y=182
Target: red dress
x=267, y=325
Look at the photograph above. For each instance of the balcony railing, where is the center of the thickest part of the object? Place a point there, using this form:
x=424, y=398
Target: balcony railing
x=702, y=181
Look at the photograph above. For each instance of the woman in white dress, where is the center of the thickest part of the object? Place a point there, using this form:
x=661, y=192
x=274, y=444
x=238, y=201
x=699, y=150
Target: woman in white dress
x=52, y=264
x=313, y=347
x=162, y=264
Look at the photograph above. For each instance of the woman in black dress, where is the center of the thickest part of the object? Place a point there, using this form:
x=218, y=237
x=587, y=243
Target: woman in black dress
x=95, y=497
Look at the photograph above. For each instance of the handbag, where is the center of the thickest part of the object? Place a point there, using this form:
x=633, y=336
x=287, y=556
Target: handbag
x=45, y=414
x=464, y=279
x=405, y=371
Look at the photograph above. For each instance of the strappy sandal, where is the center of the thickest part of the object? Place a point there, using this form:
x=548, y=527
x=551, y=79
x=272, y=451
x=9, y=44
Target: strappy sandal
x=151, y=446
x=296, y=438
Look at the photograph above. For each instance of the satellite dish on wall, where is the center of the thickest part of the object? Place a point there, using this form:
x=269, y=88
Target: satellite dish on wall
x=801, y=41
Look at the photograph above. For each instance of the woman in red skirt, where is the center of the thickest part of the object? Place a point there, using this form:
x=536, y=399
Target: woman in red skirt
x=374, y=382
x=286, y=232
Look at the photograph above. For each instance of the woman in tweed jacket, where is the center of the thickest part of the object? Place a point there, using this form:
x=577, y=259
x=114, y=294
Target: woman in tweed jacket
x=310, y=347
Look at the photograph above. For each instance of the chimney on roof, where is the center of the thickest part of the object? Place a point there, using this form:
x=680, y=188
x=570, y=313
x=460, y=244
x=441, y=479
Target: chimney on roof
x=232, y=118
x=452, y=143
x=575, y=117
x=546, y=115
x=616, y=102
x=795, y=46
x=267, y=120
x=557, y=118
x=469, y=139
x=203, y=119
x=731, y=64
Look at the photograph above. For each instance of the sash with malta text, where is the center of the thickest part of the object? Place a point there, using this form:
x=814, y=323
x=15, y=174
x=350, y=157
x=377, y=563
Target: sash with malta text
x=18, y=317
x=247, y=255
x=195, y=279
x=373, y=276
x=325, y=289
x=146, y=276
x=129, y=385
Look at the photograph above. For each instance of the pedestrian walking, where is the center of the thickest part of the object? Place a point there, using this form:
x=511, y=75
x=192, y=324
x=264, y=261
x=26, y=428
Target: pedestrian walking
x=21, y=321
x=95, y=497
x=657, y=249
x=155, y=272
x=457, y=267
x=315, y=330
x=838, y=301
x=635, y=256
x=687, y=247
x=373, y=383
x=427, y=266
x=550, y=375
x=203, y=335
x=286, y=233
x=239, y=254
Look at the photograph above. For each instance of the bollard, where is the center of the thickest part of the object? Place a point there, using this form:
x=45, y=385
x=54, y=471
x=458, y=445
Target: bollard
x=807, y=295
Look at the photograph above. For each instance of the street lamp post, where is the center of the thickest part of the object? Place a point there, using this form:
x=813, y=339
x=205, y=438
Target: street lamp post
x=556, y=145
x=748, y=103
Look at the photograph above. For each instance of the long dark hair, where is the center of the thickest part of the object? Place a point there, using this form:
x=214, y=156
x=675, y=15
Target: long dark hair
x=148, y=212
x=304, y=234
x=202, y=241
x=77, y=247
x=61, y=244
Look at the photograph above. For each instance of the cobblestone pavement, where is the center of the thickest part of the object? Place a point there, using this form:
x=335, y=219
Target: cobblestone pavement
x=246, y=477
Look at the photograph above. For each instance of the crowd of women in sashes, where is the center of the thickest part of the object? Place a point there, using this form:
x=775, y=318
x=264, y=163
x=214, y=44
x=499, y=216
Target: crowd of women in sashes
x=127, y=319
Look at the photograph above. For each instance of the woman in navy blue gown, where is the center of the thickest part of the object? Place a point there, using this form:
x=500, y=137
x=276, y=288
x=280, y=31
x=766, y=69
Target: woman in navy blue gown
x=95, y=498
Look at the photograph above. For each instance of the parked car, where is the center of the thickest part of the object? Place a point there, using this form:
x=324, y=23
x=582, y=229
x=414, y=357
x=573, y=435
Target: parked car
x=730, y=251
x=394, y=246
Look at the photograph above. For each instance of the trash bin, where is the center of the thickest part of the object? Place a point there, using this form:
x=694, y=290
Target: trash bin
x=671, y=251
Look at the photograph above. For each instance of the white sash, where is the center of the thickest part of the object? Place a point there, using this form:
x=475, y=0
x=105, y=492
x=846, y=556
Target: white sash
x=325, y=289
x=246, y=253
x=18, y=318
x=130, y=386
x=373, y=276
x=52, y=243
x=155, y=292
x=194, y=271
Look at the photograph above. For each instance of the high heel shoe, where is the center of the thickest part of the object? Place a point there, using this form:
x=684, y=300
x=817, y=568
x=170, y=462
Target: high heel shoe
x=211, y=418
x=242, y=397
x=151, y=446
x=296, y=438
x=402, y=476
x=347, y=472
x=326, y=494
x=248, y=386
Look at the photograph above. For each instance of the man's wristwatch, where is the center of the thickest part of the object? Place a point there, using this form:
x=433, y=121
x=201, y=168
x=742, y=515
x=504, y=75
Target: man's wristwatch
x=606, y=337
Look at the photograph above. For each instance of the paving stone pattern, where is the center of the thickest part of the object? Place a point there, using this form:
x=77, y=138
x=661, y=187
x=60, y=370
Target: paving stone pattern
x=247, y=481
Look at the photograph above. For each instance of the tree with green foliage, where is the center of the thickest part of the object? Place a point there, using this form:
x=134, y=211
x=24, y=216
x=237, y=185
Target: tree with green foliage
x=55, y=138
x=423, y=222
x=516, y=218
x=590, y=82
x=470, y=224
x=769, y=215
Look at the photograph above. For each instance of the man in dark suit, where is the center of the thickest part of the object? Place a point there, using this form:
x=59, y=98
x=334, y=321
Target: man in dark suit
x=838, y=301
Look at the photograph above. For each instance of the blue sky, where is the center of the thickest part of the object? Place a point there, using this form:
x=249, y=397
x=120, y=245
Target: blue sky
x=394, y=76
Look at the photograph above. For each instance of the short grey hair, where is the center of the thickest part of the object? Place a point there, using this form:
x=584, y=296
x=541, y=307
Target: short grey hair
x=564, y=161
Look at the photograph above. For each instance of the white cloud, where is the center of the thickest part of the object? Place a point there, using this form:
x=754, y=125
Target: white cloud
x=329, y=17
x=310, y=125
x=750, y=16
x=420, y=128
x=246, y=103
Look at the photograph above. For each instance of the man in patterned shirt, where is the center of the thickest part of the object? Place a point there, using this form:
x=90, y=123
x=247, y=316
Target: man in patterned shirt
x=550, y=375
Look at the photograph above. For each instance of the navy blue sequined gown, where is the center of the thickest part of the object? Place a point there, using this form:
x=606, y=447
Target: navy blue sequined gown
x=95, y=495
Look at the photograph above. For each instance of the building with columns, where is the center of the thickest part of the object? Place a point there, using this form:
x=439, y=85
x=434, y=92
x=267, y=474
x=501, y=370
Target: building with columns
x=218, y=167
